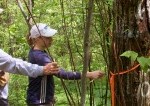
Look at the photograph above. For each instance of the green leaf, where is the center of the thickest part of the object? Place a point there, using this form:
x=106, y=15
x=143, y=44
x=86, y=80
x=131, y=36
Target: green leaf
x=130, y=54
x=144, y=63
x=148, y=61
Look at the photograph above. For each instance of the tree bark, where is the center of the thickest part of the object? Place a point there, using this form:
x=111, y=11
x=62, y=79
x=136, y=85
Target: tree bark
x=127, y=36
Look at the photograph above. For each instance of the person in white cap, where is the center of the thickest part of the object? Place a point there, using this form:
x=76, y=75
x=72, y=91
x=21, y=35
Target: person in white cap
x=40, y=90
x=18, y=66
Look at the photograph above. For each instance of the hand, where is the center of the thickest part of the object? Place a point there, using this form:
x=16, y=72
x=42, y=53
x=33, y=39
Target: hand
x=51, y=68
x=95, y=74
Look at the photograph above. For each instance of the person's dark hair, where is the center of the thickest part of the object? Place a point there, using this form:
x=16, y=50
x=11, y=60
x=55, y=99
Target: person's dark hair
x=29, y=41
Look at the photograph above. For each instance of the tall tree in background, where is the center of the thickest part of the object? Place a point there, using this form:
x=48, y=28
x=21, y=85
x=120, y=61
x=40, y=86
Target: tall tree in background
x=130, y=32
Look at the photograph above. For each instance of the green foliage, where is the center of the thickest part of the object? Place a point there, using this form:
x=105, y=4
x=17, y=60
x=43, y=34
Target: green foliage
x=143, y=61
x=17, y=90
x=130, y=54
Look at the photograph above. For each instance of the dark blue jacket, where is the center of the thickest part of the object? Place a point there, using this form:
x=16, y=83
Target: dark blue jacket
x=41, y=89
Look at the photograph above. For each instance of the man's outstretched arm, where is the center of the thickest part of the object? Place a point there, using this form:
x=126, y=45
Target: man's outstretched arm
x=18, y=66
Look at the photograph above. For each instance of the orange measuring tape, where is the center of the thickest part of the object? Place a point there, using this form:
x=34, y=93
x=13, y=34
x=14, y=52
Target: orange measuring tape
x=112, y=82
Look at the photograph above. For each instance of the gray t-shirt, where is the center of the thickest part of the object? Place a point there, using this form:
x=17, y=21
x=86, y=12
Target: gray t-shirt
x=18, y=66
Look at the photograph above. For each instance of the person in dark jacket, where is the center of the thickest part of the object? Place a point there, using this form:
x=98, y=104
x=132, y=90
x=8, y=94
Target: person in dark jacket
x=41, y=89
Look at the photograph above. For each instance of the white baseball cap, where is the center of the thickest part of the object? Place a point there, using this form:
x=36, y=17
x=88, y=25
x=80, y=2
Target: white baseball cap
x=41, y=29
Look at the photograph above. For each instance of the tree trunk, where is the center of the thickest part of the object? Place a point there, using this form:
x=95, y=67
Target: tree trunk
x=129, y=33
x=86, y=51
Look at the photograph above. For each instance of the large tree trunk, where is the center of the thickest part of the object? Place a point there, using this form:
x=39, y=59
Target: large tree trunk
x=129, y=33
